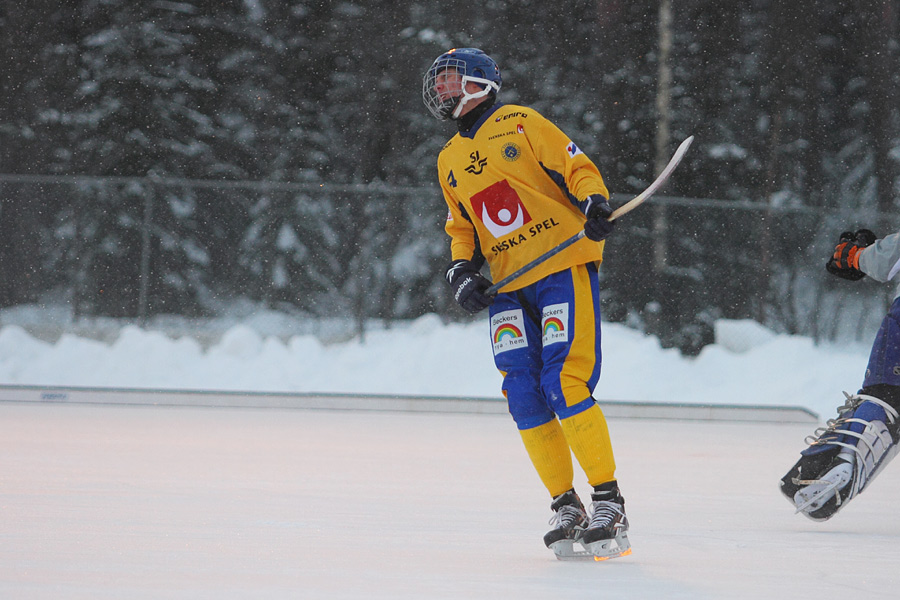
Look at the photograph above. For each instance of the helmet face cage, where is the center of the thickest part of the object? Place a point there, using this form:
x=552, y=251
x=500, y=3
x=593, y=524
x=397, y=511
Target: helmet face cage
x=471, y=65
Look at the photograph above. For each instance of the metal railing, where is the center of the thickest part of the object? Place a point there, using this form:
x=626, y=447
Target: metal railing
x=164, y=244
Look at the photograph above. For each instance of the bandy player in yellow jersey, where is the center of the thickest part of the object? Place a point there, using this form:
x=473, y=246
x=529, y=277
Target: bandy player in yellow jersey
x=516, y=186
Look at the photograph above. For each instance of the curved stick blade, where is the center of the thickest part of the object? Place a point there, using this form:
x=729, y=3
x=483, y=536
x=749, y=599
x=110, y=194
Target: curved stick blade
x=660, y=180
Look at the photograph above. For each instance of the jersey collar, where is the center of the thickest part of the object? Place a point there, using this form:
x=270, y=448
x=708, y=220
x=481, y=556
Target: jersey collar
x=471, y=132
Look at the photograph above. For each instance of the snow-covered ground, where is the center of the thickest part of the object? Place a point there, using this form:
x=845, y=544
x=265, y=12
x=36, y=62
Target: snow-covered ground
x=267, y=352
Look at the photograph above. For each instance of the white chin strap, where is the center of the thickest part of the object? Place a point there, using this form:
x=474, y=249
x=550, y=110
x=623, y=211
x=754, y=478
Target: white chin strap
x=488, y=86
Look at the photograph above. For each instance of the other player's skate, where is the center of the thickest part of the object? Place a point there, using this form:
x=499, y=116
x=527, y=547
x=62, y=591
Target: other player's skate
x=606, y=536
x=568, y=520
x=843, y=457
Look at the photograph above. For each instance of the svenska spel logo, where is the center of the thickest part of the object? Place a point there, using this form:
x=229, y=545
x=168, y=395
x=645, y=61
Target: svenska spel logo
x=499, y=207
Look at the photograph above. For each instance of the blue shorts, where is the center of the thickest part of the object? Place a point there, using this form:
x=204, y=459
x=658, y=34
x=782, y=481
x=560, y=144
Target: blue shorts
x=884, y=360
x=546, y=340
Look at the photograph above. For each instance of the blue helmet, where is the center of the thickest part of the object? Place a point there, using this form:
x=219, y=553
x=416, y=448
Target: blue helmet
x=445, y=96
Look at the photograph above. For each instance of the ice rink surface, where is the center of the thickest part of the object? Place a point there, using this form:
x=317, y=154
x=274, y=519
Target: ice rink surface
x=151, y=502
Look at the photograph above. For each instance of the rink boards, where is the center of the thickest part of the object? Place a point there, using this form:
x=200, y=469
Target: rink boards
x=376, y=402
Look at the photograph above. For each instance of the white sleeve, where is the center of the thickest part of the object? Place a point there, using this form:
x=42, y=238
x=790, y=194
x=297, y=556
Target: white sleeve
x=881, y=260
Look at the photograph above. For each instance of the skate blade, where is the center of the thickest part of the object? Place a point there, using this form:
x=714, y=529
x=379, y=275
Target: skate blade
x=607, y=549
x=625, y=552
x=815, y=500
x=818, y=492
x=818, y=519
x=566, y=550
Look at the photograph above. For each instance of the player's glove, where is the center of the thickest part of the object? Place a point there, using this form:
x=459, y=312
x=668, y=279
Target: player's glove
x=845, y=261
x=468, y=285
x=597, y=210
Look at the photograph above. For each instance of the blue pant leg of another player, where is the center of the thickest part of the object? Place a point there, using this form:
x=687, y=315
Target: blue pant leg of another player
x=884, y=359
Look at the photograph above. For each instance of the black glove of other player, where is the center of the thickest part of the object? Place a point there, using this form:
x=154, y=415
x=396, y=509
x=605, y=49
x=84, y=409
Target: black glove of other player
x=468, y=286
x=845, y=261
x=598, y=226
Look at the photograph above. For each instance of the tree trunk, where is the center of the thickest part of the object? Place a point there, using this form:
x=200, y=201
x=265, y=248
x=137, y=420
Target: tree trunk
x=663, y=101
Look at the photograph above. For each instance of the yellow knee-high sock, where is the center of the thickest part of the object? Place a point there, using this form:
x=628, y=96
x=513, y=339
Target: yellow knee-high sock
x=550, y=455
x=588, y=436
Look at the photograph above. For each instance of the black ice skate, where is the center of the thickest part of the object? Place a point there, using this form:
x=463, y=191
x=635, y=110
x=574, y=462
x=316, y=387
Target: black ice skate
x=606, y=536
x=843, y=457
x=569, y=520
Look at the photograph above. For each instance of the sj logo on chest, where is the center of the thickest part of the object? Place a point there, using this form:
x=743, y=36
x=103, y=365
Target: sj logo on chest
x=477, y=165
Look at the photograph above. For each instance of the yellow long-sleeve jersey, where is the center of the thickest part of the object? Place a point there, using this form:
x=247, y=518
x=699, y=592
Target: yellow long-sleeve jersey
x=511, y=184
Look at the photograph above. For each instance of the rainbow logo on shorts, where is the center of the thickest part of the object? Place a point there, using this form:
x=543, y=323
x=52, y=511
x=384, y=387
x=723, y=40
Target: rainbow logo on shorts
x=553, y=320
x=552, y=325
x=507, y=331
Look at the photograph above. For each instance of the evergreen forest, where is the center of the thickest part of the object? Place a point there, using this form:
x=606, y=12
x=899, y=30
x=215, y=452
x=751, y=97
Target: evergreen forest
x=163, y=157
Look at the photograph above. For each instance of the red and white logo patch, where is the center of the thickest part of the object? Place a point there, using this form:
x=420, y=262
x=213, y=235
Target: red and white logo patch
x=500, y=209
